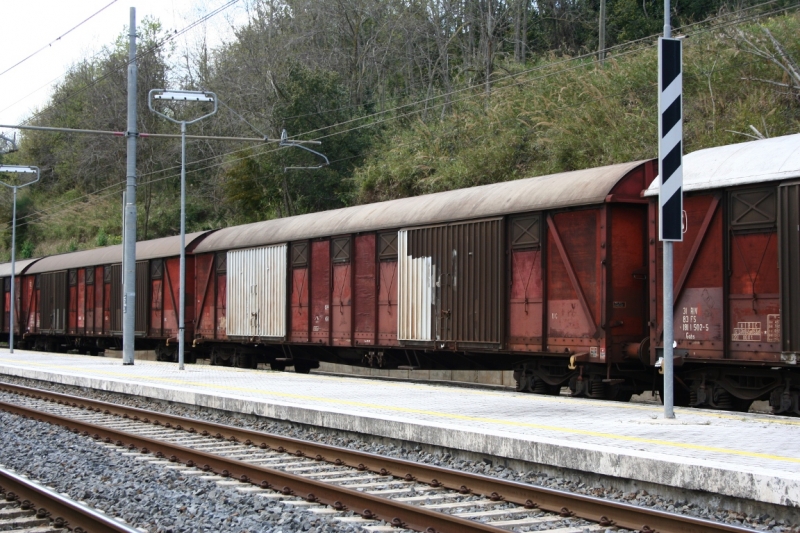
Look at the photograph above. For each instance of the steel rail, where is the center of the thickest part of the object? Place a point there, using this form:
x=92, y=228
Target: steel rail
x=339, y=497
x=590, y=508
x=67, y=513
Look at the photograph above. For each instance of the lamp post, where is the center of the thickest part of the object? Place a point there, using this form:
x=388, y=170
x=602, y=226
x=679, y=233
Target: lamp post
x=182, y=96
x=15, y=169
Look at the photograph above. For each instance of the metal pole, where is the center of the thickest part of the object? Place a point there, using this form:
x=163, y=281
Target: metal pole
x=182, y=300
x=129, y=238
x=669, y=331
x=602, y=40
x=13, y=272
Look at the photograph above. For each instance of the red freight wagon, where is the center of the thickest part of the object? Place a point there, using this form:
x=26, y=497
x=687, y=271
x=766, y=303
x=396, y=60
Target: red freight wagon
x=488, y=277
x=736, y=277
x=5, y=278
x=74, y=300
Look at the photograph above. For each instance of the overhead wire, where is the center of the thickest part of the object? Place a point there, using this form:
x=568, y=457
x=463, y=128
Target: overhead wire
x=48, y=45
x=139, y=55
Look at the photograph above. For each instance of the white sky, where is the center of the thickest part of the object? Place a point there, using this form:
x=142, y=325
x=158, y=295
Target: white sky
x=28, y=25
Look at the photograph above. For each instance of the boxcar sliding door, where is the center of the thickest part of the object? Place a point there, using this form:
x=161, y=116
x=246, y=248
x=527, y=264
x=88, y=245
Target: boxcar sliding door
x=451, y=283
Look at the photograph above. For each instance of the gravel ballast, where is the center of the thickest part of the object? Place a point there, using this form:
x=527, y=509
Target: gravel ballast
x=760, y=521
x=146, y=496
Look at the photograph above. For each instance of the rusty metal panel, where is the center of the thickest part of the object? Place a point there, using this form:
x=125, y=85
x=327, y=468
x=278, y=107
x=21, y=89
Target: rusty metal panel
x=699, y=280
x=168, y=297
x=365, y=300
x=754, y=294
x=341, y=292
x=53, y=300
x=90, y=300
x=450, y=282
x=789, y=237
x=6, y=304
x=526, y=284
x=627, y=262
x=525, y=302
x=573, y=270
x=256, y=299
x=342, y=300
x=320, y=291
x=387, y=303
x=204, y=277
x=300, y=304
x=142, y=298
x=81, y=284
x=156, y=307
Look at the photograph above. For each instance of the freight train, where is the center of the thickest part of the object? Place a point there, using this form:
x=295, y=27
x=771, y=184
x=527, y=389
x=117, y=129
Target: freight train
x=557, y=277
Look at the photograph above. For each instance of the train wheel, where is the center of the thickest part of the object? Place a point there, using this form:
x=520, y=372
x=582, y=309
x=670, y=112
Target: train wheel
x=302, y=367
x=244, y=361
x=277, y=367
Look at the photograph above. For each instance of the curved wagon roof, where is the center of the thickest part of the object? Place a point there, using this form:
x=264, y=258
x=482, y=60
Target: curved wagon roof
x=153, y=249
x=580, y=187
x=20, y=266
x=740, y=164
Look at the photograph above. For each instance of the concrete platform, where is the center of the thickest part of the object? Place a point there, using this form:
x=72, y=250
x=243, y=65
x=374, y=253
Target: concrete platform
x=747, y=456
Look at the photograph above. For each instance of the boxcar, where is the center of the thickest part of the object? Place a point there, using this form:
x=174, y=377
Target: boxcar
x=540, y=274
x=74, y=300
x=5, y=278
x=736, y=277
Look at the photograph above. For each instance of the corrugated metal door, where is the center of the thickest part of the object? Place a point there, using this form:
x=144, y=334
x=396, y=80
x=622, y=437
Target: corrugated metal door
x=257, y=292
x=789, y=238
x=53, y=300
x=450, y=282
x=142, y=299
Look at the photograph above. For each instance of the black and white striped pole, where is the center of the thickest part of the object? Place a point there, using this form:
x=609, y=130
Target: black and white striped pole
x=670, y=196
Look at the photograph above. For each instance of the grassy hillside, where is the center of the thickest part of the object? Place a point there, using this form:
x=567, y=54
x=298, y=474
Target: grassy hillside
x=570, y=114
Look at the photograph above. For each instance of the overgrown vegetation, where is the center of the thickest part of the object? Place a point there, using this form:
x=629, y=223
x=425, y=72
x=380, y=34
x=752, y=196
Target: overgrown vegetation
x=398, y=95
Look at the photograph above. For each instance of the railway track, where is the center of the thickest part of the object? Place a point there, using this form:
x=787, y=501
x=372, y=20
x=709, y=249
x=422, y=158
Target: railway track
x=376, y=492
x=27, y=506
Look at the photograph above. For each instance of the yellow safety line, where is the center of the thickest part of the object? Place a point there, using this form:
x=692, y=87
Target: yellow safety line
x=453, y=416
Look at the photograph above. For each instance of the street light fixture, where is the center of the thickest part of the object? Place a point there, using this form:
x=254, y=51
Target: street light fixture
x=15, y=169
x=182, y=96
